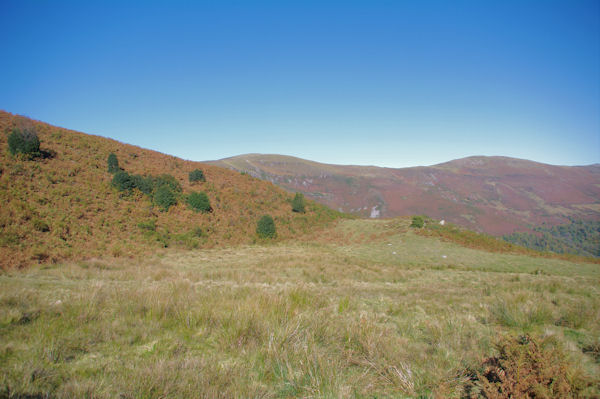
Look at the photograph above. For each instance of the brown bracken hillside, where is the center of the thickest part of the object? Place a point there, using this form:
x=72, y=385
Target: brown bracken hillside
x=63, y=206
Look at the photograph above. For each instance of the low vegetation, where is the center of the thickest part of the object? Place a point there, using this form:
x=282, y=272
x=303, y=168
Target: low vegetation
x=122, y=181
x=164, y=198
x=113, y=163
x=298, y=203
x=196, y=175
x=528, y=367
x=365, y=309
x=417, y=222
x=199, y=201
x=580, y=237
x=468, y=238
x=24, y=141
x=265, y=228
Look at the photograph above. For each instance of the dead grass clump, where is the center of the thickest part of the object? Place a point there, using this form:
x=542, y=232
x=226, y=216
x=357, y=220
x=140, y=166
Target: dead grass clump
x=527, y=367
x=515, y=314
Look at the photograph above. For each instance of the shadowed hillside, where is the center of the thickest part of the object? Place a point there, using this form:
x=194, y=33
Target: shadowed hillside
x=496, y=195
x=62, y=204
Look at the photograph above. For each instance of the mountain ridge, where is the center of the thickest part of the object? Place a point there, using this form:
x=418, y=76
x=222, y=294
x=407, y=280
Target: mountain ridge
x=468, y=157
x=492, y=194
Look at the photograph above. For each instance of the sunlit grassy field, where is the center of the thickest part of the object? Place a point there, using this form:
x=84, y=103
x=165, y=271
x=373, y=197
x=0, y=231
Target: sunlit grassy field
x=367, y=309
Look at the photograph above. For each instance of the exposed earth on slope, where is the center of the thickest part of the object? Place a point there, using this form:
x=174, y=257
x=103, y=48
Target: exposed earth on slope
x=496, y=195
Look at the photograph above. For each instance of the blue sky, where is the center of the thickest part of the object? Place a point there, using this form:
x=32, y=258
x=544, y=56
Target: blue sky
x=388, y=83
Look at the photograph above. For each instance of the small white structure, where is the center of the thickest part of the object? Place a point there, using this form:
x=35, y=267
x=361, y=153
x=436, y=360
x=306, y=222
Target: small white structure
x=442, y=222
x=374, y=212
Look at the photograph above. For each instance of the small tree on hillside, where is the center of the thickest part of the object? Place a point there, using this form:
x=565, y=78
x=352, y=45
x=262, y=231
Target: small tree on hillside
x=417, y=222
x=199, y=202
x=298, y=203
x=24, y=141
x=196, y=175
x=113, y=163
x=266, y=227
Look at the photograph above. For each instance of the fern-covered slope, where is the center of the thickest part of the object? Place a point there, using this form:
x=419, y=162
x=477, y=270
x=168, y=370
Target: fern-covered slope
x=70, y=191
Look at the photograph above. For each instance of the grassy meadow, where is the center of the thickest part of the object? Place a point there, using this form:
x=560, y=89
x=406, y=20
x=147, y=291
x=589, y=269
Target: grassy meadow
x=364, y=309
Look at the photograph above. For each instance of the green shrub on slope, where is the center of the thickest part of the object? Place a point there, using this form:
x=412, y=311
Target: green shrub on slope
x=164, y=197
x=199, y=202
x=266, y=227
x=196, y=175
x=24, y=141
x=298, y=203
x=123, y=181
x=113, y=163
x=417, y=222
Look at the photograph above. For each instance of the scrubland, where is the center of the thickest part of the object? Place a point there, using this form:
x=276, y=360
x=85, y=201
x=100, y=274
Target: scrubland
x=363, y=309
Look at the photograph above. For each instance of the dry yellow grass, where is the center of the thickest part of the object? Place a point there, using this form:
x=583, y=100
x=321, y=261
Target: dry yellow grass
x=381, y=313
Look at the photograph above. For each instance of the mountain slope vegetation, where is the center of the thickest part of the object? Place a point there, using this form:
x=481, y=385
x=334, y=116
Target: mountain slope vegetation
x=62, y=205
x=495, y=195
x=307, y=303
x=577, y=237
x=362, y=309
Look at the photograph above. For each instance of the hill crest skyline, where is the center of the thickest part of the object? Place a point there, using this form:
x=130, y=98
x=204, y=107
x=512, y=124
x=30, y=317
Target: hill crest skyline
x=496, y=195
x=466, y=157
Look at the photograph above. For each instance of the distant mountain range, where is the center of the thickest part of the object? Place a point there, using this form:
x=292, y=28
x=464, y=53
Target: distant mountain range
x=496, y=195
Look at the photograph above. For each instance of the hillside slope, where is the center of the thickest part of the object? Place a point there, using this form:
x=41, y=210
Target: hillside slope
x=496, y=195
x=63, y=205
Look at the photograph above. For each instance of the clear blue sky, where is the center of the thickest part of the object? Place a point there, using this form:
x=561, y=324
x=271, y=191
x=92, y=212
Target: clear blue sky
x=389, y=83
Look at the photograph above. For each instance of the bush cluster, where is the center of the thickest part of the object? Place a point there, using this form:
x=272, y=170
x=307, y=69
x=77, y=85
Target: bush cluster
x=166, y=180
x=143, y=183
x=164, y=197
x=24, y=141
x=113, y=163
x=123, y=181
x=417, y=222
x=266, y=227
x=199, y=202
x=298, y=203
x=163, y=189
x=196, y=175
